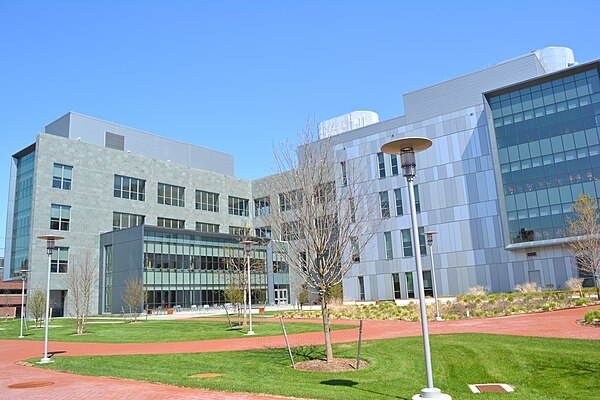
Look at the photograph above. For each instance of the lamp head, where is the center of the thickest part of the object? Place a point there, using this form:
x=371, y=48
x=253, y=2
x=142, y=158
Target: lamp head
x=407, y=147
x=50, y=242
x=429, y=236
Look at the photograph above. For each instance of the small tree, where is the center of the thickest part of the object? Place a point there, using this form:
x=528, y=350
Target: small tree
x=81, y=282
x=576, y=285
x=234, y=294
x=302, y=295
x=326, y=224
x=584, y=227
x=36, y=306
x=134, y=295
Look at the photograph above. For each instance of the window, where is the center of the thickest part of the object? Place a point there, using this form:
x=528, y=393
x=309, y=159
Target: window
x=325, y=193
x=396, y=283
x=280, y=267
x=60, y=217
x=389, y=250
x=239, y=206
x=352, y=210
x=171, y=195
x=262, y=207
x=427, y=283
x=398, y=196
x=422, y=241
x=239, y=230
x=124, y=220
x=291, y=231
x=303, y=263
x=381, y=165
x=171, y=223
x=407, y=250
x=59, y=261
x=127, y=187
x=344, y=173
x=290, y=200
x=361, y=288
x=207, y=201
x=354, y=249
x=62, y=176
x=394, y=159
x=264, y=232
x=417, y=199
x=384, y=201
x=206, y=227
x=410, y=285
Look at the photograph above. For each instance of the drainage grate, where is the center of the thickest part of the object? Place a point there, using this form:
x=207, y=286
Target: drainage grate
x=28, y=385
x=491, y=388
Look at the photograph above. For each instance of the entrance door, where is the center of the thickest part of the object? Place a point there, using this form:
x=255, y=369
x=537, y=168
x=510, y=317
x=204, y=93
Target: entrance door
x=281, y=297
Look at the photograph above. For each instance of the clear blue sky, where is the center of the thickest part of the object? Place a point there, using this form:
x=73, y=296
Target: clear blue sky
x=238, y=76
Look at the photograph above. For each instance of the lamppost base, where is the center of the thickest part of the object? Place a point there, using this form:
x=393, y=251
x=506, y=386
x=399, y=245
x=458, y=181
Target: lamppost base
x=250, y=333
x=45, y=360
x=439, y=319
x=21, y=337
x=431, y=393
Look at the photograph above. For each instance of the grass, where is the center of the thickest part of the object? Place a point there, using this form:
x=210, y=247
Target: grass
x=539, y=368
x=115, y=331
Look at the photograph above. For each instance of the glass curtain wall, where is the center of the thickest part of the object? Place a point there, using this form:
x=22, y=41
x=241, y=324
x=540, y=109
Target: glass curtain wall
x=187, y=270
x=548, y=138
x=22, y=213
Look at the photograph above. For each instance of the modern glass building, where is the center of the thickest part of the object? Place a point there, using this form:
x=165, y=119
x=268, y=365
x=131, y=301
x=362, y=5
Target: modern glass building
x=188, y=269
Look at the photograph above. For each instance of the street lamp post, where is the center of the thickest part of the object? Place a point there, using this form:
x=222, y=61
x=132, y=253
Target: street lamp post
x=50, y=245
x=435, y=296
x=247, y=246
x=23, y=274
x=406, y=148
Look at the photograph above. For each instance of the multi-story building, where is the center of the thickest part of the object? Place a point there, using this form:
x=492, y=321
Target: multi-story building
x=513, y=146
x=84, y=177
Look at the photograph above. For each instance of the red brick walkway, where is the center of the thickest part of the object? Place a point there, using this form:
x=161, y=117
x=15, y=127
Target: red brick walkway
x=561, y=324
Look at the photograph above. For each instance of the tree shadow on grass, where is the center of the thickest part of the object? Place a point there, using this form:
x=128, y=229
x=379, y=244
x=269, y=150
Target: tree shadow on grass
x=351, y=384
x=304, y=353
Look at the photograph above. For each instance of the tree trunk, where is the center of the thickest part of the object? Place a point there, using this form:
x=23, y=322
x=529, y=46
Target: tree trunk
x=597, y=289
x=326, y=326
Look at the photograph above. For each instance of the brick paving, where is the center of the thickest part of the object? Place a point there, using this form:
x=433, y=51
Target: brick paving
x=559, y=324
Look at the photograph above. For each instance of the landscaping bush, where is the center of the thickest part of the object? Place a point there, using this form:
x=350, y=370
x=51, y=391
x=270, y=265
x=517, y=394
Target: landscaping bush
x=592, y=317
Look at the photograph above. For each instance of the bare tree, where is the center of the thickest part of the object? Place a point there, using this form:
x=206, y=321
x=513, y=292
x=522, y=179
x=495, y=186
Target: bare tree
x=36, y=305
x=81, y=282
x=134, y=295
x=584, y=227
x=326, y=225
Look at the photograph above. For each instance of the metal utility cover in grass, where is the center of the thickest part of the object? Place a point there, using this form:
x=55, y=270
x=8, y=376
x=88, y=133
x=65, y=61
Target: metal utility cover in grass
x=29, y=385
x=209, y=375
x=491, y=388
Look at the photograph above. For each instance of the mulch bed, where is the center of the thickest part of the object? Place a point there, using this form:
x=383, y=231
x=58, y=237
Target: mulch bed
x=337, y=365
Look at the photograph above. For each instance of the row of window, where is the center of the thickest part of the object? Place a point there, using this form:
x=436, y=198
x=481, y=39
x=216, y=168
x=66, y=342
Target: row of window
x=384, y=201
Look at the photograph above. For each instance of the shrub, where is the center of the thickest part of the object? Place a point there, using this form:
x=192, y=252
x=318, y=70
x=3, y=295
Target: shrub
x=592, y=316
x=576, y=285
x=478, y=291
x=528, y=287
x=582, y=302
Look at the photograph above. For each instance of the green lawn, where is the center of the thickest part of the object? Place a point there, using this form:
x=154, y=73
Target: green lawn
x=539, y=368
x=116, y=331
